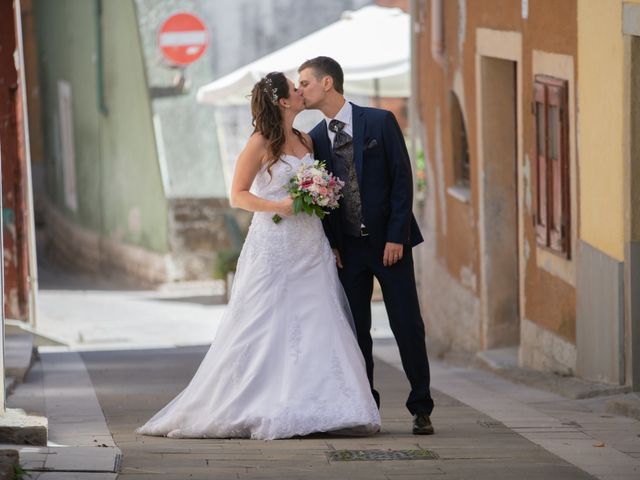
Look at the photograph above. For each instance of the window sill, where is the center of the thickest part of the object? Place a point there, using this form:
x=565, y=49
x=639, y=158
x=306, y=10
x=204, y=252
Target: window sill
x=556, y=264
x=460, y=193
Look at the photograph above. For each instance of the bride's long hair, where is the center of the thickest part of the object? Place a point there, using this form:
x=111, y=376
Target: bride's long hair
x=267, y=114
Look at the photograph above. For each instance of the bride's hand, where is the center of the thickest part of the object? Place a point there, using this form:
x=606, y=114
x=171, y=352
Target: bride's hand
x=284, y=207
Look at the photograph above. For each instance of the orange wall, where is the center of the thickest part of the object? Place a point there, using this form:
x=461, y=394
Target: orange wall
x=552, y=27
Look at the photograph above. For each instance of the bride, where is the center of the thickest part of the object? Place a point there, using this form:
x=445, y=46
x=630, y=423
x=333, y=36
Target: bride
x=285, y=360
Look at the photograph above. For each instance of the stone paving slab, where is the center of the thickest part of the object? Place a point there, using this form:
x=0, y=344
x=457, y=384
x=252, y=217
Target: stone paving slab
x=72, y=476
x=628, y=405
x=598, y=444
x=36, y=460
x=465, y=446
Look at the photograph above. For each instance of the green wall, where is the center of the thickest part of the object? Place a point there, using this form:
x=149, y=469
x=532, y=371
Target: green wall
x=119, y=185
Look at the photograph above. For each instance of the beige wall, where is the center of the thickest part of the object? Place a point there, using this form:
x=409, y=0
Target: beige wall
x=600, y=141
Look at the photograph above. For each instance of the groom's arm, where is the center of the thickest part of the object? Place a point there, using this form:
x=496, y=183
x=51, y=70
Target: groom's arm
x=399, y=168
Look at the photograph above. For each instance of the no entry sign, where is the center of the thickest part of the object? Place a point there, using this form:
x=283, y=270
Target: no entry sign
x=183, y=38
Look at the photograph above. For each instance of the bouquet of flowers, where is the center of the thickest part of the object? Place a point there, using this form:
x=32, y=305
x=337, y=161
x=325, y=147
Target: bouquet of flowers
x=314, y=190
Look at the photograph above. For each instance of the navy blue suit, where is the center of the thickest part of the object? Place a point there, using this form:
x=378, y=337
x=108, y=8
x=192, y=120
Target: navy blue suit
x=386, y=190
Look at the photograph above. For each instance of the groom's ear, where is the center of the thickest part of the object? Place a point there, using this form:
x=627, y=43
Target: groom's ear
x=327, y=83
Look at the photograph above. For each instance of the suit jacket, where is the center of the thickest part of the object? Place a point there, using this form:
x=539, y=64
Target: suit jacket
x=384, y=178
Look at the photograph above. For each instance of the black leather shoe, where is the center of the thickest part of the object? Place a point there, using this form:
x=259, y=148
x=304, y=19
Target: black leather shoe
x=422, y=424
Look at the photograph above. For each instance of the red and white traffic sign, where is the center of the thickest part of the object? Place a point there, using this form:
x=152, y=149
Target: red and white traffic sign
x=183, y=38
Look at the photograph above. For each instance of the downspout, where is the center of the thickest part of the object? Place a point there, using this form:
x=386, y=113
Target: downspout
x=2, y=350
x=102, y=104
x=30, y=223
x=414, y=118
x=102, y=111
x=413, y=98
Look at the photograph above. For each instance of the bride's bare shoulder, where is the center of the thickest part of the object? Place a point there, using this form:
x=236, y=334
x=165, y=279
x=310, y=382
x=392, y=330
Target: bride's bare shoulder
x=254, y=152
x=308, y=141
x=257, y=141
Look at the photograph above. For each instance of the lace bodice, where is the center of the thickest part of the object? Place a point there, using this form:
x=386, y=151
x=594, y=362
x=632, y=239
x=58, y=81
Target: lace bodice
x=294, y=237
x=272, y=186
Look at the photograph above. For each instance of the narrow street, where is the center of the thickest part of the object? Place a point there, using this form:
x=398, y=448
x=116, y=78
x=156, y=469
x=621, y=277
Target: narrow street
x=132, y=385
x=494, y=140
x=96, y=393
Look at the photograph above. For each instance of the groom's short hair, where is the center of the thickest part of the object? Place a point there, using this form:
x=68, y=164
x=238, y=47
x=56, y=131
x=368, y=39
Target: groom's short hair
x=326, y=66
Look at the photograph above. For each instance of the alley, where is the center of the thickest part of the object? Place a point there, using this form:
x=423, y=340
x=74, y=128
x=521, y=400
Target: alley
x=132, y=385
x=125, y=359
x=479, y=164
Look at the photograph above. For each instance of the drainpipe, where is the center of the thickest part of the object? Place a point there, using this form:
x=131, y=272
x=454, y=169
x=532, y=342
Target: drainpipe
x=413, y=114
x=30, y=222
x=102, y=104
x=413, y=95
x=2, y=377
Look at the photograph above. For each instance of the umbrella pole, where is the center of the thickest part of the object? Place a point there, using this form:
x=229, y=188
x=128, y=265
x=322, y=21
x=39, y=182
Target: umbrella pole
x=376, y=92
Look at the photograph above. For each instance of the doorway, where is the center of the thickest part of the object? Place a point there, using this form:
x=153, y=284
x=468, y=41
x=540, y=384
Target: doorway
x=499, y=203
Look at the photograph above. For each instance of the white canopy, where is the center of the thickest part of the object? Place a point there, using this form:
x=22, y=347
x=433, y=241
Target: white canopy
x=371, y=45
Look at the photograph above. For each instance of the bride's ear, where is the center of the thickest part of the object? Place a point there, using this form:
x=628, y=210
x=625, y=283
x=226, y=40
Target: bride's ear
x=283, y=103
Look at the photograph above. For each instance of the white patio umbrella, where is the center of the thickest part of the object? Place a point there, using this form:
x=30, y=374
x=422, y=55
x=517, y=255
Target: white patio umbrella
x=371, y=45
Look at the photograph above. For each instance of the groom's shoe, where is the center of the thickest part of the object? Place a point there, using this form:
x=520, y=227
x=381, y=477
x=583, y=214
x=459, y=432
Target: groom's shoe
x=422, y=424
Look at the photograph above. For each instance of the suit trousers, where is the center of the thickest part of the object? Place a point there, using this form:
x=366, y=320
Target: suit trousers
x=362, y=260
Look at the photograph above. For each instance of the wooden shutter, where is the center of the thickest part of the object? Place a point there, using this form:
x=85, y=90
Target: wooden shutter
x=558, y=154
x=540, y=97
x=553, y=199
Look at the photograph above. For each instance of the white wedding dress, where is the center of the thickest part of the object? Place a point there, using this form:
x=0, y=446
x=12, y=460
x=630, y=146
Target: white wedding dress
x=285, y=360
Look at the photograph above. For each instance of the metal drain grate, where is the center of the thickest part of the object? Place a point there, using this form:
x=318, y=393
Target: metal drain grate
x=364, y=455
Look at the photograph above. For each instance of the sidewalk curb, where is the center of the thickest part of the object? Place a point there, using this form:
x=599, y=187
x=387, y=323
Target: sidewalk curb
x=79, y=439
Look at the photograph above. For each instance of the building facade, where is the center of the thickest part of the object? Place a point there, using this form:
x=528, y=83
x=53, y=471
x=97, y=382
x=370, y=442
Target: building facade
x=523, y=214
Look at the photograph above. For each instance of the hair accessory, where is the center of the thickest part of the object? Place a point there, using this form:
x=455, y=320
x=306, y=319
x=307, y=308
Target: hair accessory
x=269, y=89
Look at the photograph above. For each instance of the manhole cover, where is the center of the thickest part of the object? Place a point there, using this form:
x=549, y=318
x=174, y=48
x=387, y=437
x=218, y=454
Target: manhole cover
x=356, y=455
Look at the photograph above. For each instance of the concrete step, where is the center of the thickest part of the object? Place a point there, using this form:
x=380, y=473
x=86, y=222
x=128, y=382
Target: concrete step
x=70, y=462
x=19, y=428
x=38, y=338
x=504, y=362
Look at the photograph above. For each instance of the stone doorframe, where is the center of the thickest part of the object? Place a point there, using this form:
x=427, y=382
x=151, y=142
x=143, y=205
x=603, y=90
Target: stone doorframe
x=504, y=45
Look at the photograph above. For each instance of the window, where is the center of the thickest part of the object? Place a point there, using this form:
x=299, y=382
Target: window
x=67, y=146
x=552, y=217
x=437, y=30
x=459, y=143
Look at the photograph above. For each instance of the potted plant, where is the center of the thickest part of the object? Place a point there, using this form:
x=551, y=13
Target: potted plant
x=225, y=268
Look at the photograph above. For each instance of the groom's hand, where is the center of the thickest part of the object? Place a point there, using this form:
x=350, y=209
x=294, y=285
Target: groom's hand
x=338, y=259
x=392, y=253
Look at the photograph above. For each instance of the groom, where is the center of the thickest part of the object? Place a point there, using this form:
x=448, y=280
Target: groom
x=374, y=230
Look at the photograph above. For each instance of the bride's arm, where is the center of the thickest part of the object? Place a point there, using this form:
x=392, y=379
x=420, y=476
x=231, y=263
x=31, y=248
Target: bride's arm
x=247, y=167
